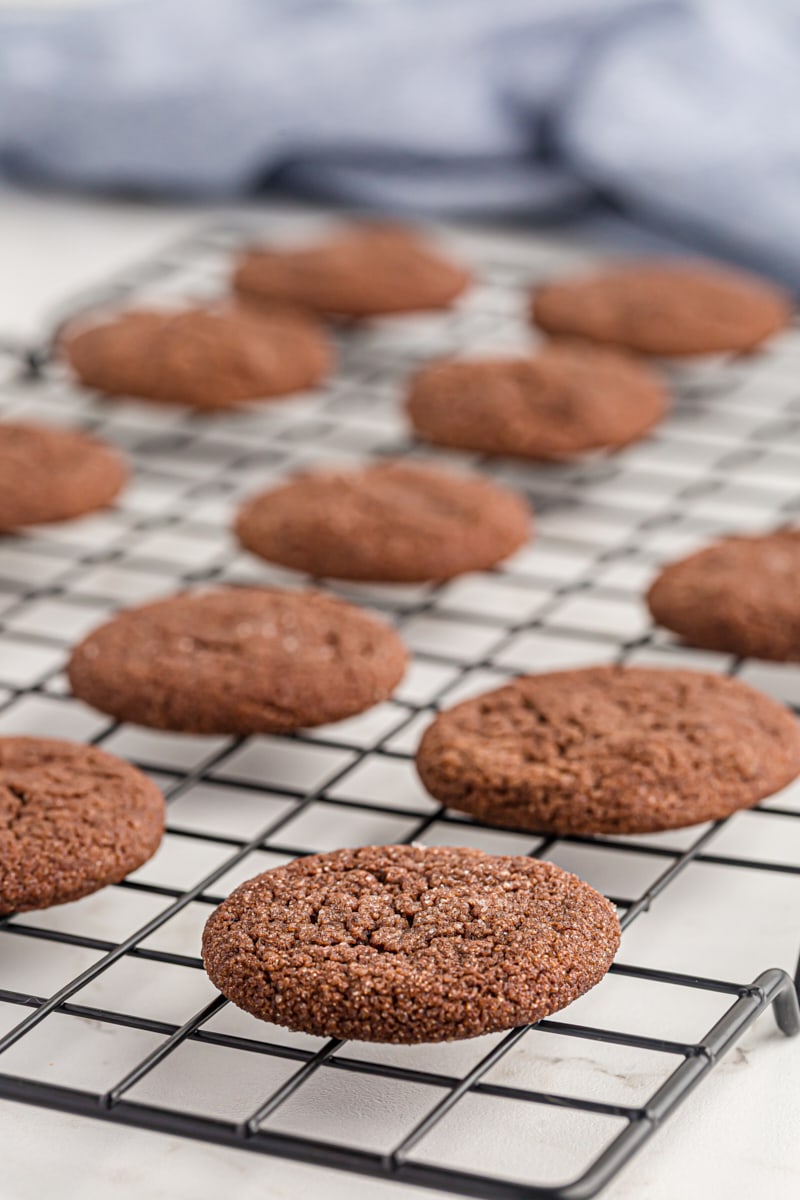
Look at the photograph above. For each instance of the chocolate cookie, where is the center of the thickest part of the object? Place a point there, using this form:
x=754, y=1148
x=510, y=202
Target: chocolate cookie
x=610, y=750
x=205, y=358
x=564, y=402
x=409, y=944
x=53, y=475
x=664, y=307
x=72, y=820
x=363, y=272
x=395, y=522
x=740, y=595
x=238, y=660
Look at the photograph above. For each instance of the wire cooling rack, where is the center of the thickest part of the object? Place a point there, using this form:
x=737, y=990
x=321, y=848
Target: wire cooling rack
x=104, y=1007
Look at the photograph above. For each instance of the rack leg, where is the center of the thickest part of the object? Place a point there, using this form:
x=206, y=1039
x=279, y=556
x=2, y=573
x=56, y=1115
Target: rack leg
x=781, y=992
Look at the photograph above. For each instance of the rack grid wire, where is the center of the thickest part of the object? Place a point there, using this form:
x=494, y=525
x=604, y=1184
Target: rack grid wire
x=104, y=1008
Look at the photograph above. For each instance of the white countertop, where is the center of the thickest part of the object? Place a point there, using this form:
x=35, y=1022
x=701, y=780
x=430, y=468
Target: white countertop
x=736, y=1136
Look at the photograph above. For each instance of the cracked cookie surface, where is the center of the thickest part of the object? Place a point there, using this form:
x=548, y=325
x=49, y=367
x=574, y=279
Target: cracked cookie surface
x=54, y=475
x=409, y=943
x=565, y=401
x=72, y=820
x=739, y=595
x=238, y=660
x=368, y=270
x=213, y=357
x=610, y=750
x=668, y=308
x=393, y=522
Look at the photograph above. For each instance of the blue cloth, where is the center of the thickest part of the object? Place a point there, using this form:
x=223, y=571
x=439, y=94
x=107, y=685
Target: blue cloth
x=682, y=111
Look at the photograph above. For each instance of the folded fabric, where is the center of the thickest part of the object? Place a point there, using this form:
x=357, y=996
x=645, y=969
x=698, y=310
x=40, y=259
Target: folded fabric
x=681, y=110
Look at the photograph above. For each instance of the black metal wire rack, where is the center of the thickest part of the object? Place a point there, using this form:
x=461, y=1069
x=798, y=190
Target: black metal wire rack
x=104, y=1007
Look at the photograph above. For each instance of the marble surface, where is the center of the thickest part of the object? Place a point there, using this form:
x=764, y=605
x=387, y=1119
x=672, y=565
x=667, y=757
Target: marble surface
x=736, y=1136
